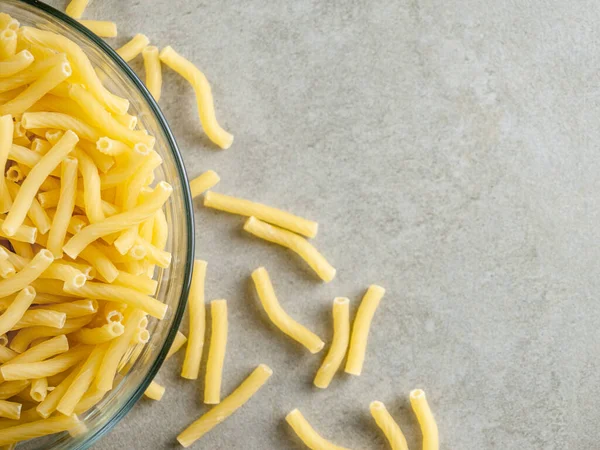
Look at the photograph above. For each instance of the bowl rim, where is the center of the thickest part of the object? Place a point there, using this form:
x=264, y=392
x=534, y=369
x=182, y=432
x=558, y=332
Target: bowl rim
x=128, y=72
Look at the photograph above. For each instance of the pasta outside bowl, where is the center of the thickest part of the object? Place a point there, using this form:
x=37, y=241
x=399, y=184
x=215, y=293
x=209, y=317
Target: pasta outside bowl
x=173, y=282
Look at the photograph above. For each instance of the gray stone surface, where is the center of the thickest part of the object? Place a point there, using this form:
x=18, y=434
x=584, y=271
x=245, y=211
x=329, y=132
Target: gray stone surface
x=451, y=152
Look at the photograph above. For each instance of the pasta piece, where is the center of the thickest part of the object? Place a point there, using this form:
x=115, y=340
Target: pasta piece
x=39, y=389
x=102, y=161
x=138, y=180
x=7, y=22
x=71, y=276
x=10, y=410
x=14, y=174
x=78, y=308
x=307, y=434
x=153, y=71
x=12, y=388
x=12, y=435
x=26, y=336
x=102, y=28
x=37, y=89
x=91, y=187
x=16, y=63
x=94, y=255
x=47, y=349
x=160, y=232
x=82, y=381
x=227, y=407
x=24, y=234
x=390, y=428
x=120, y=221
x=22, y=248
x=111, y=147
x=6, y=354
x=6, y=269
x=76, y=8
x=197, y=316
x=216, y=352
x=17, y=308
x=265, y=213
x=133, y=48
x=204, y=98
x=154, y=391
x=96, y=336
x=60, y=363
x=339, y=344
x=143, y=284
x=418, y=401
x=91, y=398
x=99, y=117
x=117, y=348
x=360, y=329
x=203, y=183
x=128, y=120
x=279, y=317
x=110, y=292
x=49, y=404
x=29, y=75
x=36, y=213
x=6, y=132
x=60, y=121
x=82, y=68
x=178, y=342
x=295, y=243
x=8, y=43
x=41, y=318
x=64, y=209
x=126, y=168
x=3, y=340
x=30, y=186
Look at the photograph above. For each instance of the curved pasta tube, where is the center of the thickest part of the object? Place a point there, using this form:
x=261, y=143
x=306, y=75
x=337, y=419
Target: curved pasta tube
x=60, y=121
x=307, y=433
x=274, y=216
x=153, y=71
x=216, y=352
x=360, y=329
x=279, y=317
x=16, y=309
x=92, y=191
x=16, y=63
x=295, y=243
x=204, y=98
x=203, y=183
x=339, y=344
x=227, y=407
x=64, y=209
x=426, y=420
x=390, y=428
x=32, y=271
x=47, y=349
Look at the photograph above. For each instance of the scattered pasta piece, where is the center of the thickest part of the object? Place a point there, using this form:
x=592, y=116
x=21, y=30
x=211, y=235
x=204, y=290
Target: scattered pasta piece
x=279, y=317
x=390, y=428
x=102, y=28
x=155, y=391
x=204, y=98
x=216, y=352
x=295, y=243
x=197, y=315
x=307, y=434
x=227, y=407
x=76, y=8
x=426, y=420
x=153, y=71
x=134, y=47
x=360, y=329
x=339, y=344
x=203, y=183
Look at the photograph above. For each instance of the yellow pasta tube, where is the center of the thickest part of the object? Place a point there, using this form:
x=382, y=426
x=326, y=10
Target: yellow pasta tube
x=64, y=209
x=426, y=420
x=41, y=318
x=82, y=381
x=307, y=434
x=360, y=329
x=227, y=407
x=91, y=398
x=24, y=234
x=10, y=410
x=295, y=243
x=6, y=354
x=94, y=256
x=39, y=389
x=160, y=232
x=197, y=316
x=120, y=221
x=8, y=44
x=111, y=147
x=142, y=283
x=58, y=364
x=6, y=133
x=36, y=213
x=265, y=213
x=15, y=63
x=153, y=71
x=37, y=89
x=17, y=309
x=92, y=196
x=117, y=348
x=178, y=342
x=44, y=350
x=60, y=121
x=133, y=48
x=33, y=72
x=390, y=428
x=3, y=340
x=39, y=428
x=49, y=404
x=26, y=336
x=40, y=146
x=12, y=388
x=203, y=183
x=6, y=269
x=32, y=183
x=82, y=67
x=78, y=308
x=110, y=292
x=204, y=98
x=339, y=343
x=154, y=391
x=99, y=117
x=102, y=28
x=279, y=317
x=100, y=335
x=216, y=352
x=127, y=166
x=7, y=22
x=76, y=8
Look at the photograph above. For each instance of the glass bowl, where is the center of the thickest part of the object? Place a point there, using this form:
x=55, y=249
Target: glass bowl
x=173, y=282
